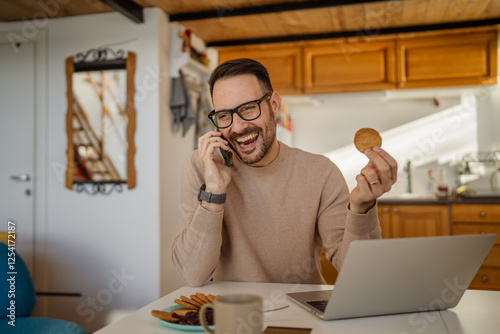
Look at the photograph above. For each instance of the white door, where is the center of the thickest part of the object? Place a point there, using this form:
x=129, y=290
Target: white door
x=17, y=108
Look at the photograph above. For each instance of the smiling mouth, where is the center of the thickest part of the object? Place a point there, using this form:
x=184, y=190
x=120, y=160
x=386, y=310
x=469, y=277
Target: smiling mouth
x=247, y=142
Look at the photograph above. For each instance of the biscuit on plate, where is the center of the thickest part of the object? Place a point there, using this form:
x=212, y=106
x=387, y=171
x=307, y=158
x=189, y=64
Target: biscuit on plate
x=197, y=299
x=186, y=304
x=202, y=296
x=165, y=316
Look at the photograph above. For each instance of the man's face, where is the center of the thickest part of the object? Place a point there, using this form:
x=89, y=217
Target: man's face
x=250, y=140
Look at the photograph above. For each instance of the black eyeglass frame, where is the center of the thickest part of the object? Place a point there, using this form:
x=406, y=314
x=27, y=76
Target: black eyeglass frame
x=211, y=114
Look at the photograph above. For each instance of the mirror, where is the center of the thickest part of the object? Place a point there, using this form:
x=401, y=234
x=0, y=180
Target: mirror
x=100, y=121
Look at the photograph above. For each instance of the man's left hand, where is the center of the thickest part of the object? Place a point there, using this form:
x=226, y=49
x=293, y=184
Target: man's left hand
x=375, y=179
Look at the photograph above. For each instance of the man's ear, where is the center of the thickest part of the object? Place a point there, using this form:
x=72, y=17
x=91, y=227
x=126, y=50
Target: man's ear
x=276, y=104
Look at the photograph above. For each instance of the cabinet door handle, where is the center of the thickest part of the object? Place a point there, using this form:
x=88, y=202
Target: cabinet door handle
x=482, y=214
x=385, y=210
x=396, y=210
x=484, y=279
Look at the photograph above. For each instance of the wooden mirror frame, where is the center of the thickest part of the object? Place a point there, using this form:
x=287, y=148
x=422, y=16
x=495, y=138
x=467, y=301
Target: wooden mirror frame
x=101, y=64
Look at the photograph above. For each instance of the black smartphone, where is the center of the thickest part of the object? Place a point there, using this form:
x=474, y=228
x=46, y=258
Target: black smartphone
x=224, y=154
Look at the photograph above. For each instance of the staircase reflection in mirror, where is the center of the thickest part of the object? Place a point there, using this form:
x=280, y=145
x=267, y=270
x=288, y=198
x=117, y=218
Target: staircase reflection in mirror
x=100, y=121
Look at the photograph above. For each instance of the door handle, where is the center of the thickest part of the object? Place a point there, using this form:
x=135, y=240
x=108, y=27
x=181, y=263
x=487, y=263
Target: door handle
x=22, y=177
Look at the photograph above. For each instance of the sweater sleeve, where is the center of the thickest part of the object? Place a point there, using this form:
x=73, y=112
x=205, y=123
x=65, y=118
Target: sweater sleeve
x=358, y=227
x=196, y=249
x=338, y=225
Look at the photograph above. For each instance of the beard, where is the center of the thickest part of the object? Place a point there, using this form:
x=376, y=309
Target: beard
x=267, y=135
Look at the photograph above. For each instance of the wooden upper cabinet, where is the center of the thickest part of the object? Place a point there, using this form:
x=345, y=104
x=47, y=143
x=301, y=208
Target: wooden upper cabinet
x=345, y=67
x=447, y=60
x=284, y=64
x=432, y=59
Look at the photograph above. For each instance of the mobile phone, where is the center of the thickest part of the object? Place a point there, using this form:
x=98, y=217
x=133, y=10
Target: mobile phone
x=224, y=154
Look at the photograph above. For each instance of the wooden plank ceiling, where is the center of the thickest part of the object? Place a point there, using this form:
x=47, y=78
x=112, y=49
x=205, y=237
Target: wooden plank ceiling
x=280, y=21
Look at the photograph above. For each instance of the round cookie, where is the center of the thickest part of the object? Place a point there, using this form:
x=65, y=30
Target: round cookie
x=366, y=139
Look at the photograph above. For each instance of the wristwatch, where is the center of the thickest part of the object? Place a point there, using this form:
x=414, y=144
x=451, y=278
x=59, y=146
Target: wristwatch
x=209, y=197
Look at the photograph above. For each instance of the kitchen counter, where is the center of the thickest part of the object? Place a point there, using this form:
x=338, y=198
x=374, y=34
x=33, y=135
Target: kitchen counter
x=436, y=201
x=477, y=312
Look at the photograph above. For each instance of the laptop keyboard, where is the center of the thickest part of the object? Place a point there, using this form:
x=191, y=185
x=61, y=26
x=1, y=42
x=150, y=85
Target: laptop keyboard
x=319, y=304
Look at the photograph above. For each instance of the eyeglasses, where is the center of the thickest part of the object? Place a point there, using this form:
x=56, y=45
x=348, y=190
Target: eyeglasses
x=248, y=111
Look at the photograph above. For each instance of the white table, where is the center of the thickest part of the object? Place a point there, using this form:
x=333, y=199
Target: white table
x=477, y=312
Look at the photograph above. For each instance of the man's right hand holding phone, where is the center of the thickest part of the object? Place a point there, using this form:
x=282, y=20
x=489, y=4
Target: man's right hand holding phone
x=215, y=172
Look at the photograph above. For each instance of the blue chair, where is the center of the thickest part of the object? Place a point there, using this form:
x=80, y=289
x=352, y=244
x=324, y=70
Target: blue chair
x=18, y=298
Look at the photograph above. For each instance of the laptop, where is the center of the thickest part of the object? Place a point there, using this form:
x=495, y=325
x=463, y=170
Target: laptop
x=390, y=276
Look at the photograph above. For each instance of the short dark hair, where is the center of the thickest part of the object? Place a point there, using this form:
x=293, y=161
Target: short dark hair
x=239, y=66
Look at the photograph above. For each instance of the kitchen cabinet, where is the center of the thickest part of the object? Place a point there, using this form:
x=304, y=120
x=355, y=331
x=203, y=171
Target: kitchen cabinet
x=384, y=217
x=347, y=66
x=283, y=62
x=418, y=60
x=447, y=60
x=478, y=219
x=404, y=221
x=327, y=269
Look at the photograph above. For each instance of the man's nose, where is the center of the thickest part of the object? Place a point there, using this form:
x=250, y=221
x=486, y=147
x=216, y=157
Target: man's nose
x=238, y=123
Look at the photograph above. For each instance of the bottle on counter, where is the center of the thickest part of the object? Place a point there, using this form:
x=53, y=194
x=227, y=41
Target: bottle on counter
x=442, y=191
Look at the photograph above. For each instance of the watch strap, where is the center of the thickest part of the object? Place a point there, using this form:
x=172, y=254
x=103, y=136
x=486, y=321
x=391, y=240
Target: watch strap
x=210, y=197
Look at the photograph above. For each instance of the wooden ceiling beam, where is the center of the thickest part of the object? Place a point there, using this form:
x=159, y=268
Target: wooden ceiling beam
x=266, y=9
x=128, y=8
x=357, y=33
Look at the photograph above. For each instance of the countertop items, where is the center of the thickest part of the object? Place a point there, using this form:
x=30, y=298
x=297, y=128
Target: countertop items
x=423, y=200
x=477, y=312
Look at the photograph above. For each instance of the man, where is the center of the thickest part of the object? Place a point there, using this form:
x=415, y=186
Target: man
x=267, y=216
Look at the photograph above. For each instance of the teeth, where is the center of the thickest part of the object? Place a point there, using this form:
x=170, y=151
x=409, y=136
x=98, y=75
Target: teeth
x=244, y=139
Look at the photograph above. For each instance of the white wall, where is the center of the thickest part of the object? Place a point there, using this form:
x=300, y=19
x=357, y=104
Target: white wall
x=428, y=142
x=489, y=118
x=327, y=122
x=174, y=149
x=489, y=114
x=116, y=248
x=92, y=237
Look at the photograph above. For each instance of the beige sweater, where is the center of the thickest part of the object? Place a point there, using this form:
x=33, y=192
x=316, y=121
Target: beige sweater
x=275, y=221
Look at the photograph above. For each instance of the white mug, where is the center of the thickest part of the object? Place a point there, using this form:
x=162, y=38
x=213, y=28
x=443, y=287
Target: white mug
x=235, y=314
